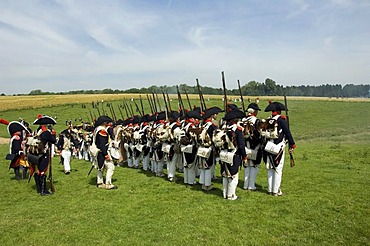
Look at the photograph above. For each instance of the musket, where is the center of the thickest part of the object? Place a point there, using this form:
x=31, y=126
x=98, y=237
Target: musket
x=92, y=167
x=159, y=105
x=292, y=162
x=154, y=103
x=125, y=107
x=137, y=108
x=150, y=104
x=114, y=113
x=120, y=111
x=102, y=107
x=52, y=188
x=111, y=112
x=169, y=102
x=201, y=98
x=98, y=110
x=241, y=96
x=165, y=105
x=225, y=94
x=142, y=107
x=187, y=97
x=181, y=104
x=131, y=110
x=92, y=118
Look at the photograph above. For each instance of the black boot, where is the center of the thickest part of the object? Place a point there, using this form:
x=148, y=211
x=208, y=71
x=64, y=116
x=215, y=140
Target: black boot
x=17, y=173
x=24, y=172
x=44, y=190
x=38, y=182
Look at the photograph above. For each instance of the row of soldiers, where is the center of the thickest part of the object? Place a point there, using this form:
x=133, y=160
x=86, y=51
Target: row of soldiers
x=194, y=142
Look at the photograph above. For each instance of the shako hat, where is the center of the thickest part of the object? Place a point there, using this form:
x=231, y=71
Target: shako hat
x=44, y=120
x=275, y=106
x=234, y=114
x=15, y=126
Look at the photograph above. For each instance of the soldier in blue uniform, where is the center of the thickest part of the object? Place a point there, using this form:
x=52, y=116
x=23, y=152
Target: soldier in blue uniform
x=278, y=137
x=235, y=154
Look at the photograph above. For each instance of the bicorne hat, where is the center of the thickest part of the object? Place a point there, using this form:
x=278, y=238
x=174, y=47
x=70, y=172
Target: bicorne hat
x=211, y=111
x=234, y=114
x=16, y=126
x=254, y=106
x=195, y=113
x=44, y=120
x=101, y=119
x=275, y=106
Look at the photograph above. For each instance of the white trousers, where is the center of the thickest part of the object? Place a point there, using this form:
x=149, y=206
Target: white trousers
x=229, y=186
x=136, y=161
x=250, y=176
x=171, y=165
x=205, y=177
x=130, y=163
x=109, y=167
x=146, y=161
x=274, y=176
x=189, y=174
x=66, y=154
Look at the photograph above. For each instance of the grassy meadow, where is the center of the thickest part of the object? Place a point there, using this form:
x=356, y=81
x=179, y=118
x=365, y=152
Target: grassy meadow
x=326, y=202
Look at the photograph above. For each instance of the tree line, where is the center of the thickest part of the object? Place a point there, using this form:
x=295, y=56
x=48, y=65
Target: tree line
x=252, y=88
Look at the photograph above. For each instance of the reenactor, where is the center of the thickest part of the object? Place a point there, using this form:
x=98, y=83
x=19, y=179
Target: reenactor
x=253, y=147
x=275, y=146
x=189, y=146
x=232, y=154
x=206, y=150
x=104, y=160
x=67, y=144
x=16, y=154
x=39, y=152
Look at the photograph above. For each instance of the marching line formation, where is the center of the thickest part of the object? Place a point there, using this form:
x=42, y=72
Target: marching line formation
x=188, y=141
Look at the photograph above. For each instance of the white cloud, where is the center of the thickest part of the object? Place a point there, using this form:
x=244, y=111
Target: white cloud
x=67, y=44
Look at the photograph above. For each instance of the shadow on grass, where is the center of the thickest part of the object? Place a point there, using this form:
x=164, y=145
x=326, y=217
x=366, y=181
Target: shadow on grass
x=179, y=180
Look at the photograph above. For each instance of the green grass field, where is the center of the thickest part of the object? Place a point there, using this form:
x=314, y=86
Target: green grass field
x=326, y=202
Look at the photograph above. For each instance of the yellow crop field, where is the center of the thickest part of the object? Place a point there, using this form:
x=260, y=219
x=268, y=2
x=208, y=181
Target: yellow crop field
x=31, y=102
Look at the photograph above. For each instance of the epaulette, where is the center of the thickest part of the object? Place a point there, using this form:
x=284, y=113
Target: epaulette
x=103, y=133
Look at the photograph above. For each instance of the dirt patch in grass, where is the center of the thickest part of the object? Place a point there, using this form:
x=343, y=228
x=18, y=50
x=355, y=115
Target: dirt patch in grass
x=4, y=140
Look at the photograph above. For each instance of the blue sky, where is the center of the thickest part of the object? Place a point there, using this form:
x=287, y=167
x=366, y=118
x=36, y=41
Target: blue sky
x=64, y=45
